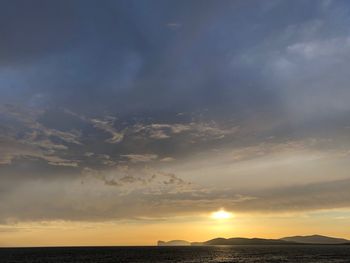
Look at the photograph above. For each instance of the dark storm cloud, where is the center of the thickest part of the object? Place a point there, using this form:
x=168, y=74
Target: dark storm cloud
x=122, y=56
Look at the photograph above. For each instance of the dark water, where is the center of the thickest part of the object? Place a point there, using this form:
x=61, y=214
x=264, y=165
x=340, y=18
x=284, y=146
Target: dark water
x=248, y=254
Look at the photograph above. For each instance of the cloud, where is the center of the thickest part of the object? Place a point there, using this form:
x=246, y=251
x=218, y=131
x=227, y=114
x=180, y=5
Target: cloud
x=249, y=171
x=332, y=194
x=63, y=137
x=130, y=178
x=25, y=136
x=320, y=49
x=135, y=158
x=131, y=109
x=167, y=159
x=79, y=204
x=268, y=178
x=107, y=125
x=203, y=130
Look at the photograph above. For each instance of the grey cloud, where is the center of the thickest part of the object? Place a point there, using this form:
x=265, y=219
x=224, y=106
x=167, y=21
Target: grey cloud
x=194, y=130
x=313, y=67
x=304, y=198
x=129, y=177
x=117, y=201
x=309, y=197
x=26, y=136
x=123, y=103
x=63, y=137
x=302, y=65
x=95, y=197
x=140, y=157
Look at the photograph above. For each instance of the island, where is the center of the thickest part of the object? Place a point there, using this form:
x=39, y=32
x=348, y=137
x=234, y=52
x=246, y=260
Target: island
x=294, y=240
x=174, y=243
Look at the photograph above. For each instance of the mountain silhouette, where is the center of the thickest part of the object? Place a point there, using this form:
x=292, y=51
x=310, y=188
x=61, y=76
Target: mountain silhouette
x=242, y=241
x=316, y=239
x=174, y=243
x=294, y=240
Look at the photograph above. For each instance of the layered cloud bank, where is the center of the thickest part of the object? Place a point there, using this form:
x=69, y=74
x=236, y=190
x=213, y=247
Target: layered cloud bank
x=188, y=168
x=151, y=109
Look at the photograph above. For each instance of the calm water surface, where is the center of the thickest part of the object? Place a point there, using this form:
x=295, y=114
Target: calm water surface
x=248, y=254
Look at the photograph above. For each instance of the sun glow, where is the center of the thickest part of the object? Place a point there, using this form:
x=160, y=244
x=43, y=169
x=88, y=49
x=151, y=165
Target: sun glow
x=221, y=214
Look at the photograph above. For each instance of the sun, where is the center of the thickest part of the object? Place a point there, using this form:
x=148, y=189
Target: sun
x=221, y=214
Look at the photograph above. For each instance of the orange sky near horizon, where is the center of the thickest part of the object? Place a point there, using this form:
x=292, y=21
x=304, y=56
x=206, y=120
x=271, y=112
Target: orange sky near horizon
x=133, y=233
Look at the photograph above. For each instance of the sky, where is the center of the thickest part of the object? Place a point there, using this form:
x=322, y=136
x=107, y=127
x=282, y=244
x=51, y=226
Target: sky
x=126, y=122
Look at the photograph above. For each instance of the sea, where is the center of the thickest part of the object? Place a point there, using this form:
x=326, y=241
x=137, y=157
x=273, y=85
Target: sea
x=241, y=253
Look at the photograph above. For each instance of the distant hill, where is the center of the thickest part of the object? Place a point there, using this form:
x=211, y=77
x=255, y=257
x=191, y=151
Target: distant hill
x=174, y=243
x=316, y=239
x=295, y=240
x=242, y=241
